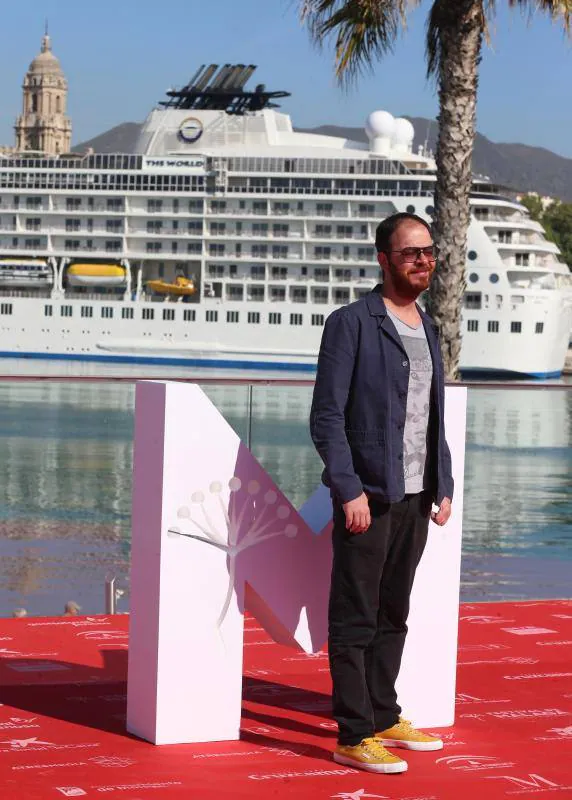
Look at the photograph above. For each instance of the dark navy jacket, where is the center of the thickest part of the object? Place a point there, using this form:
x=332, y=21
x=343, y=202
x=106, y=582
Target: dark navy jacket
x=360, y=397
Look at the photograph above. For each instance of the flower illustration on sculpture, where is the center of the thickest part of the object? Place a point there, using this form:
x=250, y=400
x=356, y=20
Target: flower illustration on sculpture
x=261, y=511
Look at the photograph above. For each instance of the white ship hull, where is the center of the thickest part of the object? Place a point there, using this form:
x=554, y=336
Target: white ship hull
x=234, y=345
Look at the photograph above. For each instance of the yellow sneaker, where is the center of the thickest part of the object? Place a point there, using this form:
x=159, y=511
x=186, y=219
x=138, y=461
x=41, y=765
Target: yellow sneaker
x=403, y=734
x=369, y=755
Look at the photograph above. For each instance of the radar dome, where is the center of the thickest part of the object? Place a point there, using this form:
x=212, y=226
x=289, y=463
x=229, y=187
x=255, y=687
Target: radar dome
x=403, y=131
x=380, y=124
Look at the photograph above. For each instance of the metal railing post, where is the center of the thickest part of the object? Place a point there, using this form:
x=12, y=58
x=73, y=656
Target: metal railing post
x=249, y=416
x=110, y=596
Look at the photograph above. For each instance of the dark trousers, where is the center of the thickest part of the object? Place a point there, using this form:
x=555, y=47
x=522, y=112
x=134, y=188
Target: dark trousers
x=372, y=577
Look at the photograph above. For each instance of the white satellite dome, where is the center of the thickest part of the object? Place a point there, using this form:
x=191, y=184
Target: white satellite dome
x=403, y=132
x=380, y=124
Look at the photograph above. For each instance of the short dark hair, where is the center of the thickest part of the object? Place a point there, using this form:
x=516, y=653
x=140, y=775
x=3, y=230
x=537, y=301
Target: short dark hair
x=389, y=225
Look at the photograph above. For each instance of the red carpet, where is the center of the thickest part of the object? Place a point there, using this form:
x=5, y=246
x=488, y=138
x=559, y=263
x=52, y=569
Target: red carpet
x=62, y=719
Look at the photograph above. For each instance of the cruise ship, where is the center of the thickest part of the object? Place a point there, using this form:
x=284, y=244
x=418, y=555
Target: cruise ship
x=227, y=238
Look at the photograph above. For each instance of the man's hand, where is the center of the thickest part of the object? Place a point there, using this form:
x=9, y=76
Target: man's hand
x=358, y=516
x=441, y=517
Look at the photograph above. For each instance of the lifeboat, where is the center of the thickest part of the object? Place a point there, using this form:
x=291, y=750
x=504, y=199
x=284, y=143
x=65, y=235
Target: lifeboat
x=95, y=275
x=25, y=273
x=180, y=287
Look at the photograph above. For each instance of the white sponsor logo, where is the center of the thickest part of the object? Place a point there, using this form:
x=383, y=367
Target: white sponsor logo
x=561, y=733
x=532, y=783
x=307, y=657
x=358, y=794
x=18, y=723
x=532, y=675
x=112, y=761
x=77, y=623
x=554, y=644
x=485, y=620
x=71, y=791
x=308, y=773
x=33, y=743
x=466, y=699
x=474, y=763
x=520, y=713
x=528, y=630
x=123, y=787
x=104, y=636
x=505, y=660
x=562, y=616
x=484, y=647
x=4, y=651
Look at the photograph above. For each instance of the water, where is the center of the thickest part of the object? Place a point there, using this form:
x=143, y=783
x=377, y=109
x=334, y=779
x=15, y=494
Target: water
x=66, y=450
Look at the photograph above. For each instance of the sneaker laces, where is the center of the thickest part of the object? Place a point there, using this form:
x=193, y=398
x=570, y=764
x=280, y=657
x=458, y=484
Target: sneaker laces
x=405, y=725
x=375, y=747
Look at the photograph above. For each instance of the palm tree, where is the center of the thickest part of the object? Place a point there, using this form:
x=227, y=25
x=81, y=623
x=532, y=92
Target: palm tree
x=365, y=30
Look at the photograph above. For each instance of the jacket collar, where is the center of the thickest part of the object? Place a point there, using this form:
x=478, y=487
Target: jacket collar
x=377, y=308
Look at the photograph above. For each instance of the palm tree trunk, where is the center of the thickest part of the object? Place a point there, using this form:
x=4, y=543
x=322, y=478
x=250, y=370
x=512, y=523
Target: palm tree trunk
x=460, y=39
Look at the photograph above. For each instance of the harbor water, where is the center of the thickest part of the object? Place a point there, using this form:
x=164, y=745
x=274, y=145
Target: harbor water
x=66, y=451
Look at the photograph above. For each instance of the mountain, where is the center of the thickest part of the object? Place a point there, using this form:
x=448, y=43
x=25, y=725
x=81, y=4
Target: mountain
x=518, y=166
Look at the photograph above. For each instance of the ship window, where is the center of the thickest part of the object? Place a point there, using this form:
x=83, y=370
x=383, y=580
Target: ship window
x=169, y=314
x=107, y=312
x=235, y=292
x=87, y=311
x=505, y=237
x=493, y=326
x=113, y=246
x=410, y=209
x=66, y=311
x=274, y=318
x=5, y=308
x=429, y=210
x=73, y=225
x=295, y=319
x=473, y=300
x=232, y=316
x=212, y=316
x=472, y=255
x=473, y=277
x=153, y=225
x=194, y=247
x=473, y=325
x=148, y=313
x=522, y=259
x=189, y=315
x=254, y=317
x=154, y=205
x=516, y=327
x=257, y=272
x=341, y=296
x=366, y=209
x=539, y=327
x=112, y=225
x=317, y=319
x=126, y=313
x=494, y=278
x=256, y=293
x=33, y=224
x=48, y=311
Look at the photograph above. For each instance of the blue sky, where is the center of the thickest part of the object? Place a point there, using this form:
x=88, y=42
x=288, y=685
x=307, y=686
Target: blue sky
x=120, y=56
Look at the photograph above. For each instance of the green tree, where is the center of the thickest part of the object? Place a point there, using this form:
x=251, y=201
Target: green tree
x=365, y=30
x=534, y=205
x=557, y=221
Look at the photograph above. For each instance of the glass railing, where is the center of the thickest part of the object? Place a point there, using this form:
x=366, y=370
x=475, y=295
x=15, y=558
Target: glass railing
x=65, y=496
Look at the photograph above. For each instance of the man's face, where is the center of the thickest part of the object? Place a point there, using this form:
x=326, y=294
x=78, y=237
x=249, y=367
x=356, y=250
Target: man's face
x=408, y=274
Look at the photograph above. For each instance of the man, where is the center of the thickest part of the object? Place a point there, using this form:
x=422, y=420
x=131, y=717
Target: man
x=377, y=421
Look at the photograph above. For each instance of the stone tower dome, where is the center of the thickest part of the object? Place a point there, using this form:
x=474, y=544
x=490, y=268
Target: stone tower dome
x=43, y=125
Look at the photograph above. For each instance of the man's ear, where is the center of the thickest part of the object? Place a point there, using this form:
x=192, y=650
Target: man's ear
x=382, y=260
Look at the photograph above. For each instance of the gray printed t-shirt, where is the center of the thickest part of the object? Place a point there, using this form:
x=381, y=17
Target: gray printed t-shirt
x=418, y=397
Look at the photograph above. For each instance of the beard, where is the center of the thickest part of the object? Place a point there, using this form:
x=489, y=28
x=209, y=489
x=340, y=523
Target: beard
x=409, y=283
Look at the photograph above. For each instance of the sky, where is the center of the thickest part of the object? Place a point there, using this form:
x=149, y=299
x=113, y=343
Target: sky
x=120, y=57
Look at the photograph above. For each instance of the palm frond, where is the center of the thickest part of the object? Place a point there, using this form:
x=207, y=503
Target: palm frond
x=557, y=10
x=364, y=30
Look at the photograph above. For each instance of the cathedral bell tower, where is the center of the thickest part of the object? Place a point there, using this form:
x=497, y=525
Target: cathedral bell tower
x=43, y=125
